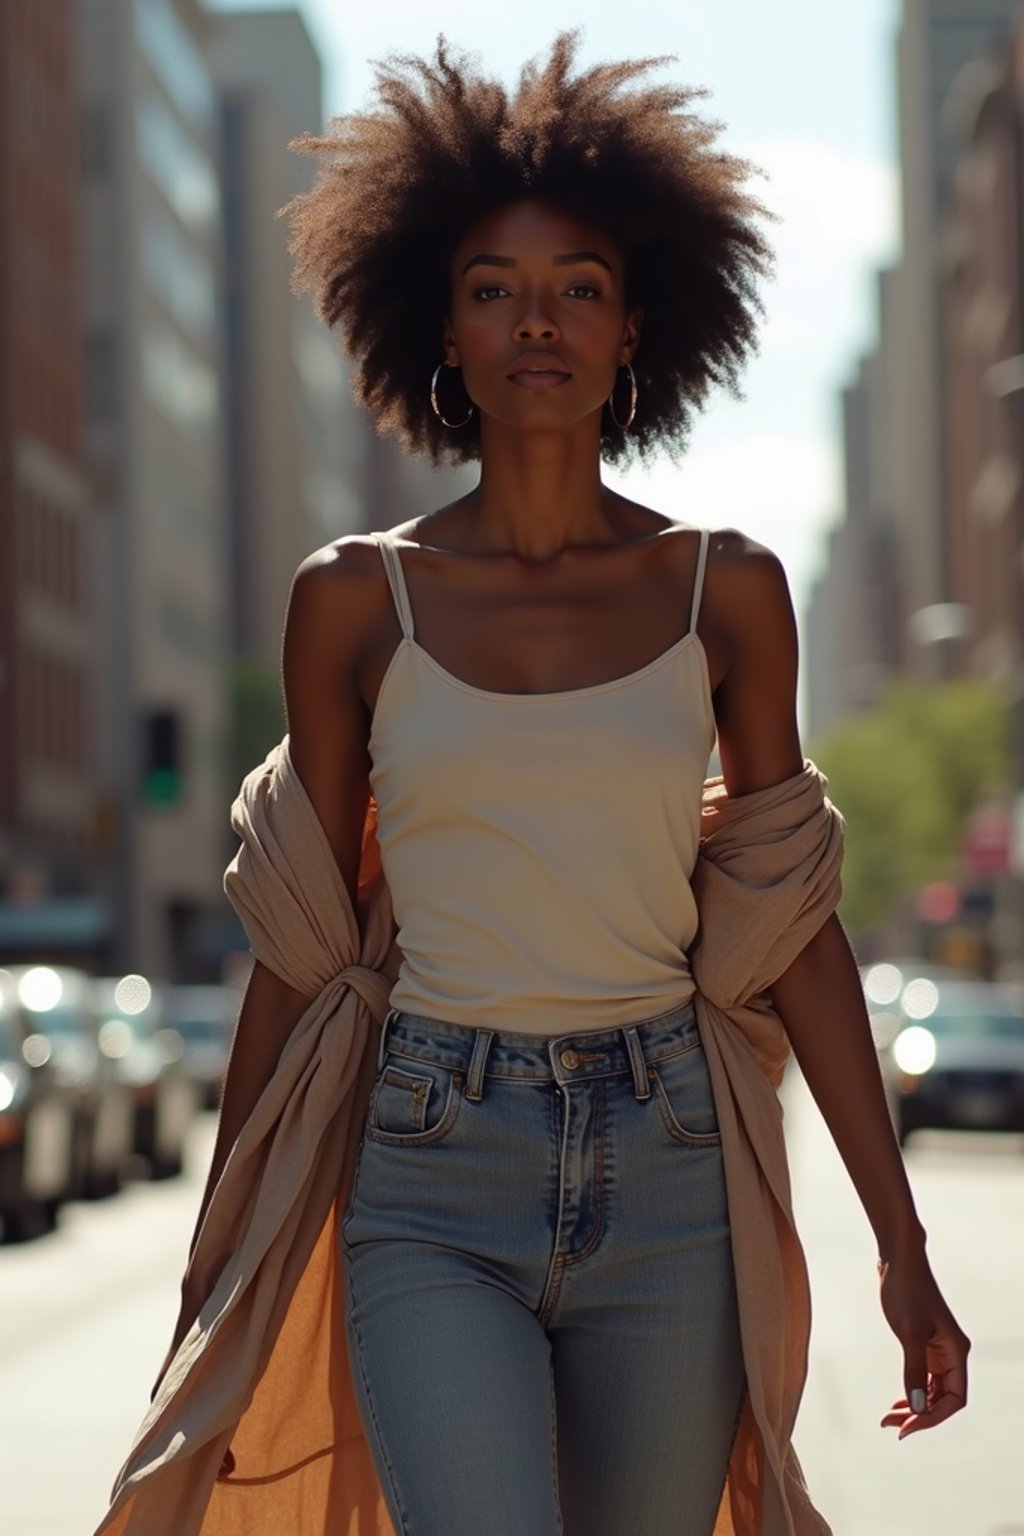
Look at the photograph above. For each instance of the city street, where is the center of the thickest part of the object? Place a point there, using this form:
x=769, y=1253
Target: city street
x=965, y=1477
x=85, y=1316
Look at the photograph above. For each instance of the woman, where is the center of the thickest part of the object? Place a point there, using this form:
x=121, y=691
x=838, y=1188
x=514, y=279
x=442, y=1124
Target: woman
x=541, y=1309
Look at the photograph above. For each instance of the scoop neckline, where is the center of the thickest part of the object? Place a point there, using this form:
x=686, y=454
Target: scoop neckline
x=559, y=696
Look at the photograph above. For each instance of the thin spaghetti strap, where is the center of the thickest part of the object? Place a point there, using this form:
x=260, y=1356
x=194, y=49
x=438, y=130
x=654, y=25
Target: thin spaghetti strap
x=698, y=580
x=396, y=581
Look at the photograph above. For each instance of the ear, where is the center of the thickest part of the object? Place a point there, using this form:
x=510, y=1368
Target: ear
x=631, y=335
x=451, y=351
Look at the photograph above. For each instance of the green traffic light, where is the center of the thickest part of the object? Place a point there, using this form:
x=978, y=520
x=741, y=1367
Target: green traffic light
x=163, y=786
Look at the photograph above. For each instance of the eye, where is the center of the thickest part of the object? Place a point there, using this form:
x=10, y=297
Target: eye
x=589, y=291
x=489, y=292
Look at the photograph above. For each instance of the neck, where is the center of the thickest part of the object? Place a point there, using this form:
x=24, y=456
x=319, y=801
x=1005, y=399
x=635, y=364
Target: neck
x=540, y=492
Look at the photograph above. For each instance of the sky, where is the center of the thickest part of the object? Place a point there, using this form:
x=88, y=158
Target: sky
x=806, y=90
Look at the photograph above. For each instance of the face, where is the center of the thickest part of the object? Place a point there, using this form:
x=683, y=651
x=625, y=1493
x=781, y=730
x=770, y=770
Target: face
x=538, y=320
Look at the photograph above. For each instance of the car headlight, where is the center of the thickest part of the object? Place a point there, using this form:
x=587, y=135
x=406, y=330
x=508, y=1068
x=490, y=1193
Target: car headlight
x=116, y=1038
x=8, y=1088
x=913, y=1051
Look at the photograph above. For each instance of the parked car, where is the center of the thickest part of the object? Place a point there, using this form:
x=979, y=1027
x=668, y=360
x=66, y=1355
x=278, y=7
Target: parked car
x=149, y=1059
x=956, y=1058
x=204, y=1016
x=37, y=1168
x=56, y=1002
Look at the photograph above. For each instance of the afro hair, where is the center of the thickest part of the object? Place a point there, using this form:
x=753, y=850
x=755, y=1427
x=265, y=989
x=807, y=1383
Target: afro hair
x=398, y=186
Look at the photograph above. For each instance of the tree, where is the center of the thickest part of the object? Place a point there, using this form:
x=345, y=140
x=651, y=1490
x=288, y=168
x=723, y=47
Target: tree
x=905, y=776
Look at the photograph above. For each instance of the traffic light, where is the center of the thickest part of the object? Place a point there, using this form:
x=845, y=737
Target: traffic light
x=161, y=757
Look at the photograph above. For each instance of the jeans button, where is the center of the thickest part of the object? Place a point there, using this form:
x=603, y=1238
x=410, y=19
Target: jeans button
x=570, y=1059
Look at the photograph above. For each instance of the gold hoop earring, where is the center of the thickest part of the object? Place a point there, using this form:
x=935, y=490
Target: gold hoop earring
x=633, y=392
x=433, y=399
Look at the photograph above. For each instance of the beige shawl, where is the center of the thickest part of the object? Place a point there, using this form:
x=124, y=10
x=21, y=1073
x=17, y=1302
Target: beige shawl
x=264, y=1368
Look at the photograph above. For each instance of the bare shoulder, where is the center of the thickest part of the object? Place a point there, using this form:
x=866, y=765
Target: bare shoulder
x=332, y=606
x=746, y=582
x=347, y=562
x=339, y=590
x=736, y=551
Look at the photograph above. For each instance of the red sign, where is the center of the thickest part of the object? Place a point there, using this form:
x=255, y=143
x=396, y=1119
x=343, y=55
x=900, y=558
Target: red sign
x=986, y=842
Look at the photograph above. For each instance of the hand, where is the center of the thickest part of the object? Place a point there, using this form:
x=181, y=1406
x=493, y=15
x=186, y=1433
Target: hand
x=935, y=1348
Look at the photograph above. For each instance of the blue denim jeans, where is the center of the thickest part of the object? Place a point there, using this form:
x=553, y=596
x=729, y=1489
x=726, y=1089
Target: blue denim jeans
x=541, y=1309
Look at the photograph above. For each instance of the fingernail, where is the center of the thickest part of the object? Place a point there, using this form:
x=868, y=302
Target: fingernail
x=918, y=1400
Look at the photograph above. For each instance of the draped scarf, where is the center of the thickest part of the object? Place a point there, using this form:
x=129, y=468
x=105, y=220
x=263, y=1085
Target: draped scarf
x=254, y=1427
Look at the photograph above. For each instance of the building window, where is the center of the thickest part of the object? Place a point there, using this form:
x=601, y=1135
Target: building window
x=96, y=142
x=172, y=55
x=180, y=499
x=181, y=172
x=100, y=375
x=184, y=628
x=179, y=383
x=179, y=277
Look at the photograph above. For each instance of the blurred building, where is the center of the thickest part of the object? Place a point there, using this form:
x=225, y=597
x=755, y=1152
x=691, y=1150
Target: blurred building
x=298, y=446
x=307, y=464
x=855, y=637
x=222, y=429
x=50, y=819
x=891, y=596
x=152, y=283
x=938, y=39
x=984, y=345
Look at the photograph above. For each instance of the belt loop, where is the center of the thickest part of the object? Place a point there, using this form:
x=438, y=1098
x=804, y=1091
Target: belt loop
x=477, y=1061
x=636, y=1061
x=383, y=1045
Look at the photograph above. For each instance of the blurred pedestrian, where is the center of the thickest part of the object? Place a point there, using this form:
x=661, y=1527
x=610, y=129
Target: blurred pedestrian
x=574, y=1300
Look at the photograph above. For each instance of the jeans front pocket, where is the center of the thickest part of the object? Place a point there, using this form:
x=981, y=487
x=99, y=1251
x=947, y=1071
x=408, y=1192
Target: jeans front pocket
x=413, y=1103
x=682, y=1087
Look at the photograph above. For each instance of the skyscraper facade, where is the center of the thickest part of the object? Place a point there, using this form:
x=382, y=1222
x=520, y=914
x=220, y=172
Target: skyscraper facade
x=153, y=279
x=50, y=827
x=938, y=41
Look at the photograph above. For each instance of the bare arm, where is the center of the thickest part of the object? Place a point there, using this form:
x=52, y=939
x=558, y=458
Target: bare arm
x=821, y=1004
x=328, y=729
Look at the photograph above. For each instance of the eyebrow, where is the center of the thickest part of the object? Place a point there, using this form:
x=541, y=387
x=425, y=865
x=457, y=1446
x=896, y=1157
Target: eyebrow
x=569, y=259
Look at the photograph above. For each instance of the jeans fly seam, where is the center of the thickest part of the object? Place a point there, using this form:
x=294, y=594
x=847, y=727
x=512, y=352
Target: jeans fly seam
x=598, y=1228
x=547, y=1300
x=553, y=1290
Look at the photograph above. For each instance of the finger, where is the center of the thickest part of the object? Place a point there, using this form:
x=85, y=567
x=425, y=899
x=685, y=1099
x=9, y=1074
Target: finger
x=943, y=1408
x=954, y=1381
x=915, y=1374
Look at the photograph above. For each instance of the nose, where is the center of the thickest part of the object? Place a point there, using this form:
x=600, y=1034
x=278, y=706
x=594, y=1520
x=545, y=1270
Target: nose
x=534, y=323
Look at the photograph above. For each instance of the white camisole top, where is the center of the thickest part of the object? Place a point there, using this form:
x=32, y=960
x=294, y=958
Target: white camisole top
x=539, y=846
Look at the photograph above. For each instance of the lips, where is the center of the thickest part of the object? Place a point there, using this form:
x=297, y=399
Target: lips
x=539, y=370
x=539, y=364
